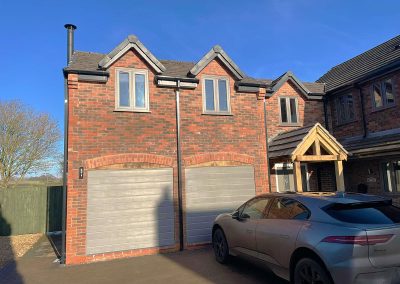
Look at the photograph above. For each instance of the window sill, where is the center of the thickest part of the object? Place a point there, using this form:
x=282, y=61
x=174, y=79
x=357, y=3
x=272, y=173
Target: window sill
x=218, y=113
x=289, y=124
x=374, y=109
x=132, y=110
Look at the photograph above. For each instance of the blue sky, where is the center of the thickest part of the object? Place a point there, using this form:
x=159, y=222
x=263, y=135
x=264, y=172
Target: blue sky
x=265, y=38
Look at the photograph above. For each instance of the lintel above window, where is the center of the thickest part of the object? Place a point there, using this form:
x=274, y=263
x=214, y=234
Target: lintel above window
x=216, y=96
x=131, y=90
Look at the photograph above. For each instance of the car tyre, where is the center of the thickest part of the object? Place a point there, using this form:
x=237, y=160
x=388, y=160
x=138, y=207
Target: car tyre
x=220, y=246
x=308, y=270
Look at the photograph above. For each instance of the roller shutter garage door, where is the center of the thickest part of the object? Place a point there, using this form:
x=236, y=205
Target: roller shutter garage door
x=211, y=191
x=129, y=209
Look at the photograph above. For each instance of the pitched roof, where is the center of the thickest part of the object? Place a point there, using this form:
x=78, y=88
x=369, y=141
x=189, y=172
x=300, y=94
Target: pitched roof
x=363, y=65
x=217, y=52
x=285, y=143
x=316, y=88
x=372, y=145
x=89, y=62
x=85, y=61
x=132, y=42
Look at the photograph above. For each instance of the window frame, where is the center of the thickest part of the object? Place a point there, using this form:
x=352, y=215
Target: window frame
x=132, y=92
x=289, y=166
x=288, y=111
x=391, y=179
x=382, y=87
x=216, y=110
x=257, y=198
x=346, y=110
x=285, y=197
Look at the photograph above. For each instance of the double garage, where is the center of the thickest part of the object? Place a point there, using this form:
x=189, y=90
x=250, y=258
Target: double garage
x=130, y=209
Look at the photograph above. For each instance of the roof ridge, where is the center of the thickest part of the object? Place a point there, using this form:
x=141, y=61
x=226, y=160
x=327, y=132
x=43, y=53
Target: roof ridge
x=90, y=52
x=177, y=61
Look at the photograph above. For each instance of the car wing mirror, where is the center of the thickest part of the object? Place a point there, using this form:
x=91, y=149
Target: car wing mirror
x=235, y=215
x=240, y=217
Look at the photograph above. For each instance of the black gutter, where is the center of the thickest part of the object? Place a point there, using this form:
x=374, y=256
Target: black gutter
x=180, y=79
x=179, y=164
x=85, y=72
x=70, y=50
x=266, y=144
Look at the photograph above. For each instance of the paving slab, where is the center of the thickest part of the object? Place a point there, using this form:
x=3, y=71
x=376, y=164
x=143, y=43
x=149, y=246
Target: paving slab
x=38, y=266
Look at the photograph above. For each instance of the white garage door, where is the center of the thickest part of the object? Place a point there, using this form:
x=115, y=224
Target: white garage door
x=211, y=191
x=129, y=209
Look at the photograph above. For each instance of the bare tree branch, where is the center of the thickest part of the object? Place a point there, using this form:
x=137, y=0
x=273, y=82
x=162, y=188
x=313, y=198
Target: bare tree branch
x=28, y=141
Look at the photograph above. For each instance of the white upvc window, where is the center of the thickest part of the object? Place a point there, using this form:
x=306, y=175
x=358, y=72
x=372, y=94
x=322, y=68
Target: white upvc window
x=216, y=95
x=289, y=113
x=131, y=90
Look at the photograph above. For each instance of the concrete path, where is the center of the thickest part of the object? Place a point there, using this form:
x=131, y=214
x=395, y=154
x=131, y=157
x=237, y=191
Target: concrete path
x=198, y=266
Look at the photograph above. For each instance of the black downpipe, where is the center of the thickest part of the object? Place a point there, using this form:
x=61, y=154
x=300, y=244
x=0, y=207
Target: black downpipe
x=325, y=102
x=266, y=144
x=179, y=164
x=364, y=121
x=70, y=50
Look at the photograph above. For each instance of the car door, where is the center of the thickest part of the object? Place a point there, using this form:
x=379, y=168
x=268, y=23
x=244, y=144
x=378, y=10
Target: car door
x=277, y=233
x=242, y=231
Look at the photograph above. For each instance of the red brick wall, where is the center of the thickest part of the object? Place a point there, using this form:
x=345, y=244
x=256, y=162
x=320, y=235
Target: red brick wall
x=97, y=130
x=100, y=137
x=364, y=171
x=377, y=120
x=310, y=111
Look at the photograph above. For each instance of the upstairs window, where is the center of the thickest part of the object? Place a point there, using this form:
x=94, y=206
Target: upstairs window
x=288, y=110
x=382, y=93
x=131, y=90
x=344, y=108
x=216, y=98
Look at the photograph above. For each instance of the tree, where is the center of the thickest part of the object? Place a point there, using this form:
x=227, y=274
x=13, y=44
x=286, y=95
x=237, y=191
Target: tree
x=28, y=141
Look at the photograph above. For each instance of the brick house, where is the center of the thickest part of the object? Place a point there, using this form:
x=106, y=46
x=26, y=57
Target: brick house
x=157, y=148
x=363, y=106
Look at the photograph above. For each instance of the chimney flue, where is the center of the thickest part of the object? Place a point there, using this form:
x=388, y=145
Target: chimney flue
x=70, y=40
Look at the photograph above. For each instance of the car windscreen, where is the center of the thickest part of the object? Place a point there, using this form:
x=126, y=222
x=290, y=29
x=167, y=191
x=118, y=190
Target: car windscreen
x=381, y=212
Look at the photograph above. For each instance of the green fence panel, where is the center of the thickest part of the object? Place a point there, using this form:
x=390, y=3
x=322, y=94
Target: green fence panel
x=28, y=210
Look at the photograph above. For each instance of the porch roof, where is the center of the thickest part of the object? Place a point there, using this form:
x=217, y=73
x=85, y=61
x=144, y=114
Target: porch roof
x=295, y=143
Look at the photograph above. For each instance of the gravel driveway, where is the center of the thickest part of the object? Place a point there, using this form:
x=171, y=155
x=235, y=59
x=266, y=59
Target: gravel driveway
x=16, y=246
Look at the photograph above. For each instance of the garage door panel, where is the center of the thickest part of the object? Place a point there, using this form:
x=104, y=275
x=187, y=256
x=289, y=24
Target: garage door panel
x=211, y=191
x=143, y=228
x=129, y=209
x=127, y=245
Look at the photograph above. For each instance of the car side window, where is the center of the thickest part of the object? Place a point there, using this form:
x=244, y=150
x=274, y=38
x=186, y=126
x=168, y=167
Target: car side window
x=287, y=208
x=254, y=209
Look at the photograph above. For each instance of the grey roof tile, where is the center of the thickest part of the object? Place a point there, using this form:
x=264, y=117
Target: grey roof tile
x=362, y=65
x=89, y=61
x=285, y=143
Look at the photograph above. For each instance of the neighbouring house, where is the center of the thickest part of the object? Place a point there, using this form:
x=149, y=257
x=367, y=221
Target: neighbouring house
x=157, y=148
x=363, y=106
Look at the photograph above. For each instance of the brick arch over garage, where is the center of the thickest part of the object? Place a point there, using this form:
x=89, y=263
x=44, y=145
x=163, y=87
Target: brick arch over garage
x=129, y=158
x=219, y=156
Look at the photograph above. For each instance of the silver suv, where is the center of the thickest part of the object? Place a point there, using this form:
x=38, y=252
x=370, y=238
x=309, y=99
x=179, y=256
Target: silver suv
x=315, y=237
